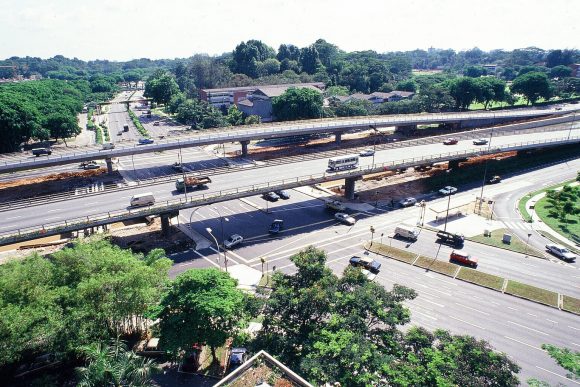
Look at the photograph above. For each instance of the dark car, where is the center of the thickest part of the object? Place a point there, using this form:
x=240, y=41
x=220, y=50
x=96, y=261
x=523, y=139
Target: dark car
x=276, y=226
x=238, y=356
x=366, y=263
x=451, y=141
x=145, y=141
x=177, y=167
x=271, y=197
x=450, y=238
x=282, y=194
x=494, y=180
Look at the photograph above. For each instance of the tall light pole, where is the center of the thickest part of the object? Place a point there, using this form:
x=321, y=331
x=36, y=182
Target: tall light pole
x=222, y=226
x=572, y=124
x=528, y=243
x=448, y=201
x=217, y=245
x=484, y=175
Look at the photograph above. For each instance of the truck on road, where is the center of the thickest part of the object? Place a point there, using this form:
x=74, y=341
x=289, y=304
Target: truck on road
x=182, y=184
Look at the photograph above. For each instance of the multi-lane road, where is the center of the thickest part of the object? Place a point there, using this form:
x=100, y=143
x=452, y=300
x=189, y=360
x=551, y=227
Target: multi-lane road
x=511, y=325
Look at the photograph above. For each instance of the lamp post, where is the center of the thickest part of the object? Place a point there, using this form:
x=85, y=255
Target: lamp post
x=571, y=125
x=372, y=229
x=222, y=226
x=527, y=244
x=484, y=175
x=208, y=229
x=423, y=206
x=448, y=202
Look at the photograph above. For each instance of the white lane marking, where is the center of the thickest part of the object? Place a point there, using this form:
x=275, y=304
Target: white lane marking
x=430, y=275
x=436, y=290
x=573, y=343
x=563, y=377
x=470, y=308
x=54, y=217
x=531, y=329
x=14, y=217
x=228, y=258
x=467, y=322
x=526, y=344
x=552, y=321
x=434, y=303
x=573, y=328
x=425, y=315
x=55, y=210
x=509, y=307
x=531, y=314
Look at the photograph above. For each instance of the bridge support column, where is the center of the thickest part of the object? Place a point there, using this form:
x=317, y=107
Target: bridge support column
x=109, y=162
x=405, y=129
x=349, y=187
x=244, y=147
x=165, y=224
x=337, y=138
x=453, y=164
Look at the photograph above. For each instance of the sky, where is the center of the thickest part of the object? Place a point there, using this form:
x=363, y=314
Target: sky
x=128, y=29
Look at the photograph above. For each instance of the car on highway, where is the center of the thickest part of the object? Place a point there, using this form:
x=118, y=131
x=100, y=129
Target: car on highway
x=336, y=206
x=145, y=141
x=366, y=152
x=233, y=241
x=345, y=218
x=448, y=190
x=41, y=151
x=450, y=238
x=408, y=202
x=282, y=194
x=480, y=141
x=463, y=258
x=276, y=226
x=366, y=263
x=270, y=196
x=178, y=167
x=561, y=252
x=494, y=180
x=451, y=141
x=156, y=123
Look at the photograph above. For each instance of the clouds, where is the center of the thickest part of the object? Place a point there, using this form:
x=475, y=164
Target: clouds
x=129, y=29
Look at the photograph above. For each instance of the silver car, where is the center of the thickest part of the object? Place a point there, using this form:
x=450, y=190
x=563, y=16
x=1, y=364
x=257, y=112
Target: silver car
x=233, y=241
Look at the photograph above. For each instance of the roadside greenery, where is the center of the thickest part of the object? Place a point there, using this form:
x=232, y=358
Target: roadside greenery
x=560, y=210
x=480, y=278
x=496, y=240
x=566, y=358
x=532, y=293
x=140, y=128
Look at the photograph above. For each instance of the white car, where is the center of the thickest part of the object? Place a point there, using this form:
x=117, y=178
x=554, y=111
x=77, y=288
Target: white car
x=561, y=252
x=366, y=152
x=233, y=240
x=344, y=218
x=408, y=202
x=449, y=190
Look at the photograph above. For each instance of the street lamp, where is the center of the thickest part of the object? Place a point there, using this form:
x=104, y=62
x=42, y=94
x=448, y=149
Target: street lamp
x=527, y=244
x=448, y=202
x=216, y=243
x=222, y=226
x=484, y=174
x=372, y=229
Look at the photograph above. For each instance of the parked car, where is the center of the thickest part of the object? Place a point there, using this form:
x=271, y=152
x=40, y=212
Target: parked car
x=238, y=356
x=406, y=231
x=233, y=241
x=451, y=141
x=561, y=252
x=344, y=218
x=366, y=152
x=276, y=226
x=336, y=205
x=156, y=123
x=270, y=196
x=282, y=194
x=178, y=167
x=41, y=151
x=448, y=190
x=408, y=202
x=480, y=141
x=494, y=180
x=366, y=263
x=450, y=238
x=145, y=141
x=463, y=258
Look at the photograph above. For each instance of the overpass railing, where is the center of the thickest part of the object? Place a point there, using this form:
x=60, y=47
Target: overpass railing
x=255, y=189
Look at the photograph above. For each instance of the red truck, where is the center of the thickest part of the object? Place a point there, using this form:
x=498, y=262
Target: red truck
x=464, y=258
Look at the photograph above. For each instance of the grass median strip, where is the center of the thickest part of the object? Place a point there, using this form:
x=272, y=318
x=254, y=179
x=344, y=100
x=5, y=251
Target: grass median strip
x=392, y=252
x=435, y=265
x=138, y=124
x=571, y=304
x=480, y=278
x=516, y=244
x=533, y=293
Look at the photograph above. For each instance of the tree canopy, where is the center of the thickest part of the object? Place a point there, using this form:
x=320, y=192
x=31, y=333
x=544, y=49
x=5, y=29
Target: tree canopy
x=298, y=103
x=532, y=86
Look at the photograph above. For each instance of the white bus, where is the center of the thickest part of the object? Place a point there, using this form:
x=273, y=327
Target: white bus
x=343, y=162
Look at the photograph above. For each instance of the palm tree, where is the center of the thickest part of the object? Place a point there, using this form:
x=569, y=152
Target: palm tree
x=113, y=365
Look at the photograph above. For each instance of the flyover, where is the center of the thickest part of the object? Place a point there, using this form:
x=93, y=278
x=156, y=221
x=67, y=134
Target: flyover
x=242, y=183
x=19, y=162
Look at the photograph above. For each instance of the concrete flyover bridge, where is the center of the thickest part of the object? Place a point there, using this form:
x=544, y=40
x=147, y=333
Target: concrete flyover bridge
x=170, y=208
x=243, y=135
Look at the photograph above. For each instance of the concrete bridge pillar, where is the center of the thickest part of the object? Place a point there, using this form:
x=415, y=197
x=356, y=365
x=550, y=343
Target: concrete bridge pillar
x=405, y=129
x=453, y=164
x=337, y=138
x=244, y=147
x=165, y=224
x=109, y=162
x=349, y=187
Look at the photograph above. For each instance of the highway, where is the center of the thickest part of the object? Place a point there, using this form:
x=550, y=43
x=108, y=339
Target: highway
x=510, y=324
x=14, y=162
x=51, y=213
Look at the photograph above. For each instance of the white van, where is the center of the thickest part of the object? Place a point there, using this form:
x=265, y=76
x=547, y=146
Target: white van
x=407, y=232
x=144, y=199
x=108, y=145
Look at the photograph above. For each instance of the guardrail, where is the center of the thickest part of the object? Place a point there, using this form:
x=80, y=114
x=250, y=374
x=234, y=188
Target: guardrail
x=256, y=189
x=260, y=132
x=498, y=132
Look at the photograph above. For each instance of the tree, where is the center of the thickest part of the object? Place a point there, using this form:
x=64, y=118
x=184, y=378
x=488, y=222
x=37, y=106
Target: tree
x=474, y=71
x=62, y=125
x=298, y=103
x=464, y=91
x=246, y=55
x=407, y=85
x=560, y=71
x=570, y=360
x=161, y=87
x=353, y=108
x=235, y=117
x=532, y=86
x=559, y=57
x=252, y=120
x=200, y=306
x=288, y=52
x=309, y=59
x=114, y=365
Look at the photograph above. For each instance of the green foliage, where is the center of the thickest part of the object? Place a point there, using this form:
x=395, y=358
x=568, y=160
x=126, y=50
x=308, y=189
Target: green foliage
x=247, y=55
x=161, y=87
x=353, y=108
x=298, y=103
x=114, y=365
x=570, y=360
x=474, y=71
x=235, y=117
x=142, y=131
x=532, y=86
x=201, y=115
x=560, y=71
x=252, y=120
x=77, y=296
x=200, y=306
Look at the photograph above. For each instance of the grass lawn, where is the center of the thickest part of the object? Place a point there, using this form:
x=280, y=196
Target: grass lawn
x=571, y=304
x=569, y=227
x=442, y=267
x=523, y=209
x=392, y=252
x=266, y=280
x=480, y=278
x=516, y=244
x=532, y=293
x=207, y=366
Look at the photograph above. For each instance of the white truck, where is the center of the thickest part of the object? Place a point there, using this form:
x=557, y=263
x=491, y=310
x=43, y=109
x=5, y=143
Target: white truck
x=407, y=232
